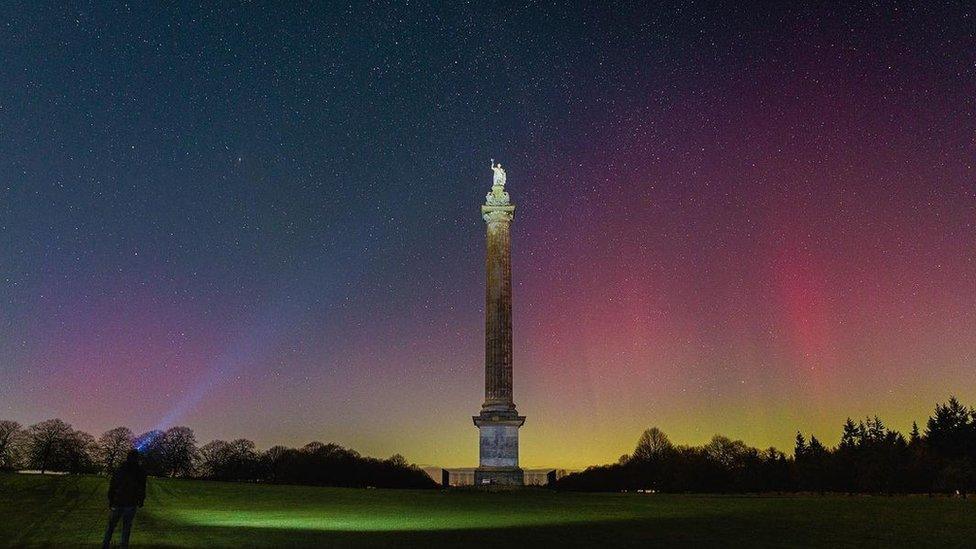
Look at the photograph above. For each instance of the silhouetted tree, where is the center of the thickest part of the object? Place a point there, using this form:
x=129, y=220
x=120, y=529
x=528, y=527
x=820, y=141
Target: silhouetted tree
x=852, y=435
x=914, y=437
x=54, y=445
x=313, y=446
x=80, y=453
x=950, y=432
x=213, y=459
x=921, y=473
x=48, y=444
x=242, y=460
x=812, y=467
x=272, y=460
x=870, y=457
x=951, y=438
x=880, y=458
x=113, y=446
x=150, y=446
x=733, y=460
x=816, y=447
x=774, y=473
x=652, y=444
x=800, y=448
x=11, y=444
x=332, y=465
x=178, y=451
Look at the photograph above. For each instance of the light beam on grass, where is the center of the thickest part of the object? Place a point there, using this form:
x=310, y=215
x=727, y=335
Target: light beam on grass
x=284, y=520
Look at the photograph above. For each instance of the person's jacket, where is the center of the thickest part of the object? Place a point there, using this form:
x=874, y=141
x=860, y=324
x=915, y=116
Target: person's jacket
x=128, y=486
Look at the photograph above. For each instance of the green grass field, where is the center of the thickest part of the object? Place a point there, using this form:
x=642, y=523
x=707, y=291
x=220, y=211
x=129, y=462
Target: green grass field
x=70, y=511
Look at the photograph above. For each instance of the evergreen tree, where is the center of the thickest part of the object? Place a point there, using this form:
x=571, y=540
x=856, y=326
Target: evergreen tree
x=851, y=437
x=950, y=432
x=800, y=449
x=914, y=438
x=816, y=447
x=874, y=430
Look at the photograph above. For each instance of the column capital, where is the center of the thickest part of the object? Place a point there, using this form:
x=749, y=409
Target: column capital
x=494, y=214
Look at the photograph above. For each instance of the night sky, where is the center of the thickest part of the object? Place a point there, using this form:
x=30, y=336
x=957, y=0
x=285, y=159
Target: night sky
x=263, y=221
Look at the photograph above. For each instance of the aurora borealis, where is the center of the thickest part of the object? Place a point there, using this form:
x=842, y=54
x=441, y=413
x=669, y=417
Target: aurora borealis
x=263, y=221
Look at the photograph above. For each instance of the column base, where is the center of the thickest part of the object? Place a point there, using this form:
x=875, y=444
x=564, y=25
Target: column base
x=498, y=449
x=499, y=476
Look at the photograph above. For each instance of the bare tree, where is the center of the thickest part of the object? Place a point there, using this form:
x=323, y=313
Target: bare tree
x=274, y=454
x=653, y=443
x=113, y=446
x=228, y=460
x=729, y=453
x=47, y=442
x=213, y=457
x=80, y=453
x=244, y=457
x=243, y=449
x=313, y=447
x=150, y=445
x=272, y=459
x=179, y=449
x=11, y=440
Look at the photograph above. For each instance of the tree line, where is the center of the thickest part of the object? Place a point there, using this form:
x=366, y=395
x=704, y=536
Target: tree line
x=53, y=445
x=870, y=458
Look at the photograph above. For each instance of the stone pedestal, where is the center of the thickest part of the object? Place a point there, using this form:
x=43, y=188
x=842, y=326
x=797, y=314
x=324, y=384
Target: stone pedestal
x=498, y=449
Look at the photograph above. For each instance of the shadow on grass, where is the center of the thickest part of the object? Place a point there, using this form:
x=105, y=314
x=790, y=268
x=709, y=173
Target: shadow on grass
x=65, y=499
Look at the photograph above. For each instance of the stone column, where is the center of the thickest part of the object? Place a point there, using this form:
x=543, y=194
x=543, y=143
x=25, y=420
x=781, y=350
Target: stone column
x=498, y=422
x=498, y=310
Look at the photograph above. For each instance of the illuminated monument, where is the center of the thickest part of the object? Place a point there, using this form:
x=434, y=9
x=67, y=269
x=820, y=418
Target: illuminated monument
x=498, y=422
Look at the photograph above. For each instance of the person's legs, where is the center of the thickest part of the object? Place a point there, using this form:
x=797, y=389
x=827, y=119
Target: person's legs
x=113, y=519
x=128, y=513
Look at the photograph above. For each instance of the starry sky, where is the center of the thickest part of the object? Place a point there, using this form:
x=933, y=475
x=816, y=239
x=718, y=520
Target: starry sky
x=262, y=220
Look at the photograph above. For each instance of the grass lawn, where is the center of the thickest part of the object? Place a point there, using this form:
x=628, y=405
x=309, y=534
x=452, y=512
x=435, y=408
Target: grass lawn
x=70, y=511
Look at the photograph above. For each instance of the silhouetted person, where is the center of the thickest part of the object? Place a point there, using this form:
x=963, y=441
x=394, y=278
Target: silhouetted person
x=126, y=492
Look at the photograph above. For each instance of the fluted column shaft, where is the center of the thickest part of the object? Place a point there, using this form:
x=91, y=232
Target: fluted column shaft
x=498, y=313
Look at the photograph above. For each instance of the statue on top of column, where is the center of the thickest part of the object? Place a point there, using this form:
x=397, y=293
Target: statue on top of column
x=497, y=196
x=499, y=179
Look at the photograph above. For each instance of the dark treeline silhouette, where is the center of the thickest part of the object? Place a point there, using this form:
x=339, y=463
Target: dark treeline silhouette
x=870, y=458
x=53, y=445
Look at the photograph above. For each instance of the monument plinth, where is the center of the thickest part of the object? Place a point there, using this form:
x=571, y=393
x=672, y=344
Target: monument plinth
x=499, y=422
